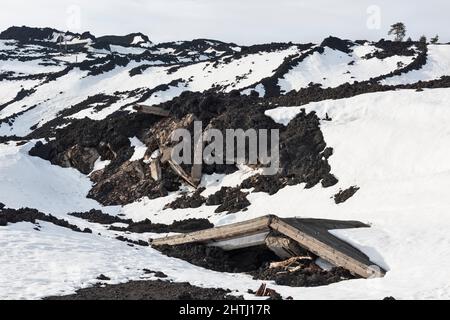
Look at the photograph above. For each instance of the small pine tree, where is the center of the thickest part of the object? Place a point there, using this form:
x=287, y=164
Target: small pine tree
x=423, y=39
x=398, y=30
x=435, y=39
x=409, y=39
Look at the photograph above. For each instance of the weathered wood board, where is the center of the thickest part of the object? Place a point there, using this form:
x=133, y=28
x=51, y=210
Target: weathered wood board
x=237, y=230
x=157, y=111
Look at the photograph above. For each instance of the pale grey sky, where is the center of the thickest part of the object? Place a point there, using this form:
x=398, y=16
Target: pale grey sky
x=240, y=21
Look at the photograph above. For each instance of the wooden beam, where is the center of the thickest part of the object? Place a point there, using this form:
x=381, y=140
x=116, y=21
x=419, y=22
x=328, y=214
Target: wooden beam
x=197, y=167
x=284, y=247
x=331, y=253
x=155, y=169
x=166, y=157
x=180, y=172
x=247, y=241
x=157, y=111
x=236, y=230
x=166, y=154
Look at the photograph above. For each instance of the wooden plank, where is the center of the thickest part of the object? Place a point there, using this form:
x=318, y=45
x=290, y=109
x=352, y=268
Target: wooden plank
x=236, y=230
x=247, y=241
x=332, y=253
x=327, y=224
x=180, y=171
x=155, y=170
x=283, y=247
x=157, y=111
x=166, y=157
x=197, y=167
x=319, y=229
x=166, y=154
x=197, y=173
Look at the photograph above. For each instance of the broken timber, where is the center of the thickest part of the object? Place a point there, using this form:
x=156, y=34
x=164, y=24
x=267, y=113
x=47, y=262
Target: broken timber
x=167, y=158
x=157, y=111
x=310, y=234
x=192, y=179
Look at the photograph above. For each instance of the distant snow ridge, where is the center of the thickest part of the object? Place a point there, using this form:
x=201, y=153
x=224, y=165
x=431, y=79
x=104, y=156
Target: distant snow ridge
x=40, y=81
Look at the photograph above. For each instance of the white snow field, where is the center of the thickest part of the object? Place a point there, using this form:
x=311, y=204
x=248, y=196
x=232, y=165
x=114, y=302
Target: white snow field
x=393, y=145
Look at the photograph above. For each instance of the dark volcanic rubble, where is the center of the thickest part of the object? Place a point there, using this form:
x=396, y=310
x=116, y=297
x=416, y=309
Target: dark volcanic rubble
x=85, y=141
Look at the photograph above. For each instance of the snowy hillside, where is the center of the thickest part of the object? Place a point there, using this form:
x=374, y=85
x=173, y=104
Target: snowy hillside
x=369, y=117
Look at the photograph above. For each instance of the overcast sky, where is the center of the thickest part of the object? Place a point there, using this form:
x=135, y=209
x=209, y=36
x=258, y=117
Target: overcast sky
x=239, y=21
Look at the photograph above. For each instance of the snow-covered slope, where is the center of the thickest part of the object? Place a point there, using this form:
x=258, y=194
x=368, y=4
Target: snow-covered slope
x=438, y=65
x=390, y=142
x=55, y=81
x=333, y=68
x=394, y=146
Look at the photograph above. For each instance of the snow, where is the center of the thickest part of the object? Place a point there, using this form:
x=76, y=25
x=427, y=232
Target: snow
x=139, y=149
x=10, y=89
x=28, y=67
x=393, y=146
x=333, y=68
x=74, y=87
x=215, y=182
x=137, y=40
x=57, y=261
x=94, y=114
x=438, y=65
x=27, y=181
x=72, y=57
x=283, y=115
x=214, y=52
x=259, y=89
x=165, y=95
x=100, y=165
x=150, y=209
x=7, y=44
x=253, y=67
x=127, y=50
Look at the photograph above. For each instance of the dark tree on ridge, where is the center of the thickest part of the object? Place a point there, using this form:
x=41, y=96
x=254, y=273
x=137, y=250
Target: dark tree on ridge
x=398, y=30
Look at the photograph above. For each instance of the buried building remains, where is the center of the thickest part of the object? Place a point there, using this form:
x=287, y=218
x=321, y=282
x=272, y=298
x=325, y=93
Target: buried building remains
x=287, y=238
x=185, y=144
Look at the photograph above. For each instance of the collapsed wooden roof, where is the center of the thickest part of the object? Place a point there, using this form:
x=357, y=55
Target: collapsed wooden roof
x=310, y=234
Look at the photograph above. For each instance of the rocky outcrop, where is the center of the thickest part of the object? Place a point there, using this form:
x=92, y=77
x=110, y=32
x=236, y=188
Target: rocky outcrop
x=149, y=290
x=230, y=200
x=27, y=34
x=337, y=44
x=185, y=201
x=303, y=153
x=343, y=195
x=130, y=182
x=33, y=216
x=185, y=226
